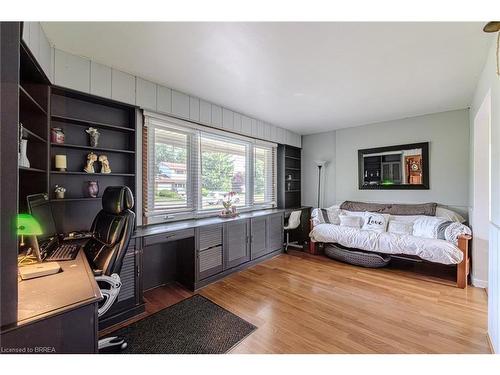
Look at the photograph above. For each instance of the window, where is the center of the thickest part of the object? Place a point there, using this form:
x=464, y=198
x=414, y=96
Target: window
x=264, y=175
x=189, y=170
x=223, y=169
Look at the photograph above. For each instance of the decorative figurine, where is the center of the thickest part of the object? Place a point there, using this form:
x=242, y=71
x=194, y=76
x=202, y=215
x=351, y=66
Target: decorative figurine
x=94, y=136
x=93, y=188
x=59, y=190
x=23, y=147
x=103, y=159
x=91, y=159
x=57, y=135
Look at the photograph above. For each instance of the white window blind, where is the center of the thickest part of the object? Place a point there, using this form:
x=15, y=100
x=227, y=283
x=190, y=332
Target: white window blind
x=264, y=175
x=188, y=169
x=172, y=166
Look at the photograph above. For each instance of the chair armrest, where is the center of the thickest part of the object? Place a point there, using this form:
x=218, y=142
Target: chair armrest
x=110, y=294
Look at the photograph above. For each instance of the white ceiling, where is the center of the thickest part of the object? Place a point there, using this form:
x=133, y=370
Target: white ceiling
x=306, y=77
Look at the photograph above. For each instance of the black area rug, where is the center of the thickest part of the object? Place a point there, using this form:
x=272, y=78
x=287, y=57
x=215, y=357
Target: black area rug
x=193, y=326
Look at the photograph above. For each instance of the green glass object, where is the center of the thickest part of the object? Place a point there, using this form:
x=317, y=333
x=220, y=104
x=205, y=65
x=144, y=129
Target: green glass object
x=27, y=225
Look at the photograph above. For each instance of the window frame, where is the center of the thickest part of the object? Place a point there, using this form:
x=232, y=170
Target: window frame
x=194, y=165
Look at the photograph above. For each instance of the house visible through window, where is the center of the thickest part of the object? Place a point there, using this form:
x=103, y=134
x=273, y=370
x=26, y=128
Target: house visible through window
x=223, y=169
x=190, y=170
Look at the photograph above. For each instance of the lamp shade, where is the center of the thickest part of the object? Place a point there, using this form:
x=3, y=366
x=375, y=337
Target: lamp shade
x=27, y=225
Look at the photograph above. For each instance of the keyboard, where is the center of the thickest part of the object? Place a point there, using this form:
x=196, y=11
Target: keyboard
x=63, y=251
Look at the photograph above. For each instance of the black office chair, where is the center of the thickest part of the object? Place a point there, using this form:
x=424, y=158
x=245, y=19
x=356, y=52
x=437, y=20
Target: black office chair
x=112, y=229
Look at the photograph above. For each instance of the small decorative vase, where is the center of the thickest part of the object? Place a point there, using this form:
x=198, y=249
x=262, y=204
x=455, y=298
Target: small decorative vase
x=57, y=135
x=23, y=158
x=93, y=136
x=93, y=188
x=59, y=194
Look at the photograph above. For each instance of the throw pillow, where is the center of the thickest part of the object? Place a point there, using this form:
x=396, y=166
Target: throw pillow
x=400, y=227
x=375, y=222
x=326, y=216
x=350, y=221
x=427, y=226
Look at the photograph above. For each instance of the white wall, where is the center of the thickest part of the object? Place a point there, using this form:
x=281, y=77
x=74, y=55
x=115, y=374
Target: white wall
x=480, y=203
x=447, y=132
x=489, y=84
x=83, y=74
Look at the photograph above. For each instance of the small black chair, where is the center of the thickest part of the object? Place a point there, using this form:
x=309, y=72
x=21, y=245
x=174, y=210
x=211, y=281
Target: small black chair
x=112, y=229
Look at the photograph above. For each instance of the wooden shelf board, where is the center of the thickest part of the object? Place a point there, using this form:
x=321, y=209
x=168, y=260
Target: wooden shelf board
x=81, y=122
x=292, y=191
x=293, y=169
x=28, y=134
x=27, y=97
x=37, y=170
x=292, y=157
x=94, y=174
x=97, y=199
x=81, y=147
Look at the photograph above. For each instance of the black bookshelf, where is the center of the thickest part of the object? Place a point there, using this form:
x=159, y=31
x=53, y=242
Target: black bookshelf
x=33, y=92
x=74, y=112
x=289, y=175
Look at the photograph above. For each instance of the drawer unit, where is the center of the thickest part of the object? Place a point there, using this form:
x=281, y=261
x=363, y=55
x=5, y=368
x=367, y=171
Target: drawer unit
x=209, y=236
x=210, y=262
x=166, y=237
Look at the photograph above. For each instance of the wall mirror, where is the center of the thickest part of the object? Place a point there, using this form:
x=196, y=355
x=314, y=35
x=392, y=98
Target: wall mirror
x=394, y=167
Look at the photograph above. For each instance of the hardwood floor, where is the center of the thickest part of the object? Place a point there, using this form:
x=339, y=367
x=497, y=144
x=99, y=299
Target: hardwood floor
x=310, y=304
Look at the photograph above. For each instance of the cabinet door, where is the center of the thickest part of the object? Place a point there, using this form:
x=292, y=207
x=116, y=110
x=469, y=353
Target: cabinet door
x=236, y=249
x=274, y=232
x=258, y=239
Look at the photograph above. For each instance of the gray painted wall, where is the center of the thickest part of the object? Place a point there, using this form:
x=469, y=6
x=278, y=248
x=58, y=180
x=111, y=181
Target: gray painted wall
x=489, y=82
x=447, y=132
x=318, y=147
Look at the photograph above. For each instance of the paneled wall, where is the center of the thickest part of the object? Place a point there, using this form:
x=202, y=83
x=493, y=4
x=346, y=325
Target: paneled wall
x=82, y=74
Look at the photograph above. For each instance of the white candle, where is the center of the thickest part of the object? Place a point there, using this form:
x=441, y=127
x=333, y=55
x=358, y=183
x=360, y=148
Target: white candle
x=61, y=162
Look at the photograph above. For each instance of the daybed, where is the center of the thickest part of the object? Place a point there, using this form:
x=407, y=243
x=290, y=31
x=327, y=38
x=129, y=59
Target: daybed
x=426, y=231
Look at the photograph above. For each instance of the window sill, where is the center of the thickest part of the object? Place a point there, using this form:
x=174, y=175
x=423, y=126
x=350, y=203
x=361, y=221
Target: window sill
x=173, y=217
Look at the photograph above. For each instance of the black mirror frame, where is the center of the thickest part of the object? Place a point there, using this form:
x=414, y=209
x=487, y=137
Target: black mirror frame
x=425, y=167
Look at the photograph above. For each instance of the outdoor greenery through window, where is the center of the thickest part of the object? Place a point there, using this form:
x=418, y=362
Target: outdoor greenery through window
x=190, y=171
x=223, y=169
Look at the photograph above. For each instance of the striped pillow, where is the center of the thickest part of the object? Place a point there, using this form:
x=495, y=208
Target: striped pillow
x=326, y=216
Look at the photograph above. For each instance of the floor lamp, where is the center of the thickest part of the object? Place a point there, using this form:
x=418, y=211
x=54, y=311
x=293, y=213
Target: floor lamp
x=320, y=164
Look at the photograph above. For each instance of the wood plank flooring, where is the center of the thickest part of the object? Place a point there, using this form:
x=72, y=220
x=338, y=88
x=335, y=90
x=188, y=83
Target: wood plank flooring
x=310, y=304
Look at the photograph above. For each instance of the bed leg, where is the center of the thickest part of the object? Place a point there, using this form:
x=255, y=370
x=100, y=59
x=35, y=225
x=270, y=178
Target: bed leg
x=463, y=267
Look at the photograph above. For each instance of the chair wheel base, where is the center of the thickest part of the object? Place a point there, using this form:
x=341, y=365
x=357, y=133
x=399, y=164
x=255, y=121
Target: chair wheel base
x=112, y=345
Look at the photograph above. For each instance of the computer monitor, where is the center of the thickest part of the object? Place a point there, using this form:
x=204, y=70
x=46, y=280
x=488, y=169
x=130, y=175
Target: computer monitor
x=39, y=206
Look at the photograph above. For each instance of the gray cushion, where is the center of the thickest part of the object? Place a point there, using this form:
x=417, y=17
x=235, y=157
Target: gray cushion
x=356, y=257
x=428, y=209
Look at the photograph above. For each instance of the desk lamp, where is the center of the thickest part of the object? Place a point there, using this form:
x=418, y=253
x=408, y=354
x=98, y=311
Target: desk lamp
x=27, y=225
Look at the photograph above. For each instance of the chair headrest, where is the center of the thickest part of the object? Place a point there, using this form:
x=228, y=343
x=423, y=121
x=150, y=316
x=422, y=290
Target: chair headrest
x=116, y=199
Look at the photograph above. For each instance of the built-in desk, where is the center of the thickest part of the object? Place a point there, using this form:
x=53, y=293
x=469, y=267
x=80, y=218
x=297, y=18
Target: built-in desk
x=194, y=253
x=57, y=313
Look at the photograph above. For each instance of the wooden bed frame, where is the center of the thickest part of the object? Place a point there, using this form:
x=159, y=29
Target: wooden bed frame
x=463, y=268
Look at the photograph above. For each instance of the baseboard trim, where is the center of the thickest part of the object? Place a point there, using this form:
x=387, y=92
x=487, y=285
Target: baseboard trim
x=478, y=283
x=490, y=344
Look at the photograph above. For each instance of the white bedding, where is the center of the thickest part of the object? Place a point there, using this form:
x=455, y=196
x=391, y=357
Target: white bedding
x=433, y=250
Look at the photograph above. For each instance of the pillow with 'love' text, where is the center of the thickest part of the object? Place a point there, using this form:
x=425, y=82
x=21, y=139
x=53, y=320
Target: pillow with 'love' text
x=376, y=222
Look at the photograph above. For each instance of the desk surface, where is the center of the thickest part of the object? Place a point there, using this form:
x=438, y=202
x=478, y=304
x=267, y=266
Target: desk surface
x=45, y=296
x=149, y=230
